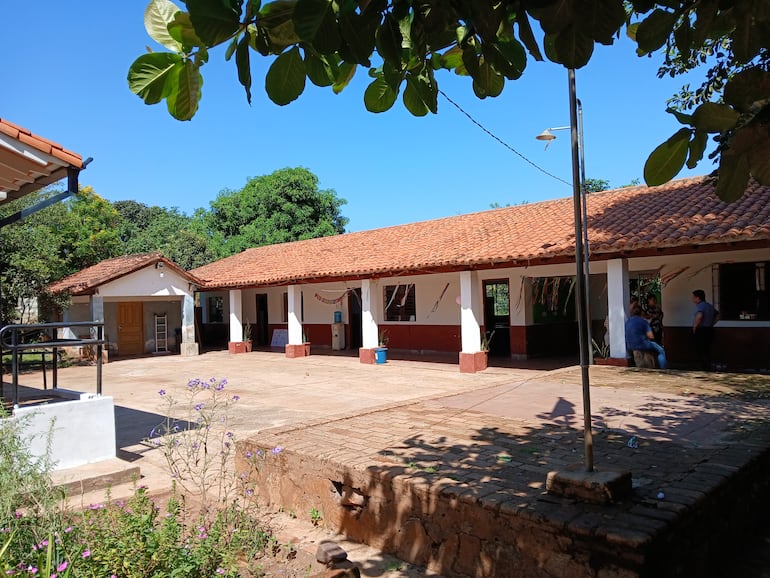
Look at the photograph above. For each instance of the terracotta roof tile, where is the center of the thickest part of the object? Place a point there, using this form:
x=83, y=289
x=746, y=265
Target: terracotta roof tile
x=86, y=281
x=679, y=214
x=21, y=174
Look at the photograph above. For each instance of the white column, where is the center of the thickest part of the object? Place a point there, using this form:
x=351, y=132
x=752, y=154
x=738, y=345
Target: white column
x=188, y=346
x=470, y=312
x=97, y=308
x=618, y=297
x=371, y=302
x=236, y=315
x=295, y=312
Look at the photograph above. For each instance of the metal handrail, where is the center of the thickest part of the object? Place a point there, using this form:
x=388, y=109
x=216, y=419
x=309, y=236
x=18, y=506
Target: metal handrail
x=9, y=340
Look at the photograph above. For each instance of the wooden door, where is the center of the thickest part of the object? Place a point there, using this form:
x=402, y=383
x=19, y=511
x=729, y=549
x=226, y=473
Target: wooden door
x=130, y=328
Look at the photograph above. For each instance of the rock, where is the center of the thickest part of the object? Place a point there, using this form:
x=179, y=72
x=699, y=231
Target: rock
x=330, y=553
x=339, y=573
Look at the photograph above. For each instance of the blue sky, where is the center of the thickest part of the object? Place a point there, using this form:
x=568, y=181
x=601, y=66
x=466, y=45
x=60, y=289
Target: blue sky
x=63, y=76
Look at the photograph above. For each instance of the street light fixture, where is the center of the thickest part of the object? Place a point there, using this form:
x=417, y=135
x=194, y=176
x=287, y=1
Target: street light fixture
x=581, y=255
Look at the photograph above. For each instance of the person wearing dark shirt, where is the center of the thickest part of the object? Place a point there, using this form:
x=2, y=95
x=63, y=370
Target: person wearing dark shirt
x=639, y=336
x=703, y=328
x=654, y=316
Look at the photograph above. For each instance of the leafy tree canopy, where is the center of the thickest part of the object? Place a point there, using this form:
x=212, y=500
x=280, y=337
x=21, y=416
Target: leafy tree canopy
x=145, y=229
x=53, y=243
x=283, y=206
x=404, y=43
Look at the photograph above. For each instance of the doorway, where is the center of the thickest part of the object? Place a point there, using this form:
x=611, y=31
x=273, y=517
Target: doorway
x=355, y=319
x=262, y=335
x=497, y=317
x=130, y=328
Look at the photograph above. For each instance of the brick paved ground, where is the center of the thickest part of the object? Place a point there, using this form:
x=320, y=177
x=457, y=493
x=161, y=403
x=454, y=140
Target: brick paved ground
x=689, y=436
x=490, y=437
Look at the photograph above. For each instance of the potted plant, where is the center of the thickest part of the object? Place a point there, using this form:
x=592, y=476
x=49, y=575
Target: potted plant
x=247, y=335
x=602, y=355
x=381, y=351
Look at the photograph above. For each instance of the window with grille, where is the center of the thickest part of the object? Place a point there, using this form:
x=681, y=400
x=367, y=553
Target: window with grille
x=400, y=303
x=742, y=291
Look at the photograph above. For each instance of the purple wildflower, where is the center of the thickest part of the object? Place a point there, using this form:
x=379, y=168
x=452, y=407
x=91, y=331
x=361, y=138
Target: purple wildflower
x=236, y=397
x=162, y=392
x=198, y=406
x=277, y=450
x=86, y=553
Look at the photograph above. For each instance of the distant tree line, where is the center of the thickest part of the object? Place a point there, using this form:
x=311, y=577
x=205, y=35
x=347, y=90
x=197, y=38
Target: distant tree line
x=66, y=237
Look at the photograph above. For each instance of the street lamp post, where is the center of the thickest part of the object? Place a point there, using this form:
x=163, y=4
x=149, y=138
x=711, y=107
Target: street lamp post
x=581, y=256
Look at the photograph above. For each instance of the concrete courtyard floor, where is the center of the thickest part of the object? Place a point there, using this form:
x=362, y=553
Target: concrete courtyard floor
x=655, y=424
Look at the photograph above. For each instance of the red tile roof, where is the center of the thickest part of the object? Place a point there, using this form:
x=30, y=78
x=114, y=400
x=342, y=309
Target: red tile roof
x=29, y=162
x=85, y=282
x=676, y=217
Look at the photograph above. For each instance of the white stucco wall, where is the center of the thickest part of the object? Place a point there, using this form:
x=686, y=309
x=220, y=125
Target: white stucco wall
x=676, y=300
x=147, y=282
x=82, y=430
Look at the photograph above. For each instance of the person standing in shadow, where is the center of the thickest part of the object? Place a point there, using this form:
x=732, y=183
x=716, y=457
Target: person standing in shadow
x=703, y=323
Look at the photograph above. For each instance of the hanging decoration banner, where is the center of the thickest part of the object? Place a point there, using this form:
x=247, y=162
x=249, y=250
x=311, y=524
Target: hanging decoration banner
x=336, y=301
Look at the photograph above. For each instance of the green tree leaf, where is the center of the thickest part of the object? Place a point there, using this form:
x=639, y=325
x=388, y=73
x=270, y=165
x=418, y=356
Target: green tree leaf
x=507, y=56
x=654, y=30
x=388, y=40
x=181, y=30
x=315, y=23
x=157, y=16
x=696, y=148
x=285, y=79
x=215, y=22
x=276, y=19
x=321, y=70
x=148, y=75
x=680, y=116
x=379, y=95
x=413, y=101
x=527, y=36
x=346, y=74
x=244, y=65
x=573, y=47
x=733, y=176
x=488, y=82
x=184, y=90
x=667, y=159
x=714, y=117
x=359, y=33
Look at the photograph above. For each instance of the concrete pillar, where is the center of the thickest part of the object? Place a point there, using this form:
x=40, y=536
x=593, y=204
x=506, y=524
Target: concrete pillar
x=470, y=312
x=188, y=347
x=472, y=358
x=296, y=346
x=371, y=315
x=370, y=308
x=618, y=297
x=236, y=315
x=97, y=308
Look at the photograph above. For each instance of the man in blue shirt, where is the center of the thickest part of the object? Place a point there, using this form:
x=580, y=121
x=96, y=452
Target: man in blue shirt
x=639, y=336
x=703, y=328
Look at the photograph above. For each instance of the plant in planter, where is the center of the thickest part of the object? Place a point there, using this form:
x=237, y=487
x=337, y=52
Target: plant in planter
x=600, y=351
x=247, y=335
x=486, y=339
x=381, y=352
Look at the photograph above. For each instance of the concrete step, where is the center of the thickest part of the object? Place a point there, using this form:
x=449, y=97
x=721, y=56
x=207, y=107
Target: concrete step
x=95, y=477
